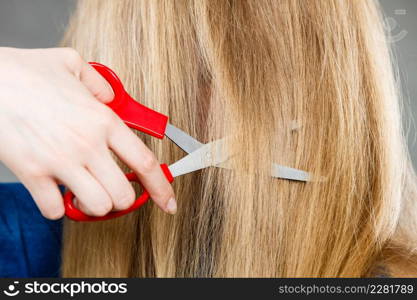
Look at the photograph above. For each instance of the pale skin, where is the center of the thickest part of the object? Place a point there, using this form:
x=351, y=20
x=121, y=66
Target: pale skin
x=55, y=128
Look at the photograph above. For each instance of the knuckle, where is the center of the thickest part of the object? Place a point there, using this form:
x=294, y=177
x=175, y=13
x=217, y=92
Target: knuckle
x=125, y=201
x=101, y=210
x=72, y=59
x=80, y=149
x=34, y=171
x=71, y=55
x=54, y=161
x=105, y=118
x=83, y=149
x=148, y=163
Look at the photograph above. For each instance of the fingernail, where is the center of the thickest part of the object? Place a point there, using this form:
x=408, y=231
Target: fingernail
x=171, y=206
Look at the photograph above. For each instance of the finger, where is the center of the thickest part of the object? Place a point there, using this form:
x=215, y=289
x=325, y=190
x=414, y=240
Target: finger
x=114, y=181
x=81, y=206
x=95, y=83
x=142, y=161
x=91, y=195
x=47, y=196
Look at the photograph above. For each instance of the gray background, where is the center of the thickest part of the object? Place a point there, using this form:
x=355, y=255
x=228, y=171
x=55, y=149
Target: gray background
x=40, y=23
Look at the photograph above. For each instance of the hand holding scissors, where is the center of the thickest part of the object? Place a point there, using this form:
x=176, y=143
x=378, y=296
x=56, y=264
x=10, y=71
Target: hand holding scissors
x=54, y=129
x=200, y=156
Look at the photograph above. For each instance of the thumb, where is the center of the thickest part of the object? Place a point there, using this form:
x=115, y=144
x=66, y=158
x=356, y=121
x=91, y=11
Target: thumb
x=96, y=84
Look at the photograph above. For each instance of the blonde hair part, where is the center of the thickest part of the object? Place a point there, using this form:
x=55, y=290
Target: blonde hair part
x=246, y=70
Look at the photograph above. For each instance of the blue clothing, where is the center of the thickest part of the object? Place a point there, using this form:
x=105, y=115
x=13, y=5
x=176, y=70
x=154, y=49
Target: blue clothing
x=29, y=243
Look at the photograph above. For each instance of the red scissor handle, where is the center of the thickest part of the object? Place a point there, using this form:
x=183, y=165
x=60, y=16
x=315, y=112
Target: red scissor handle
x=77, y=215
x=136, y=116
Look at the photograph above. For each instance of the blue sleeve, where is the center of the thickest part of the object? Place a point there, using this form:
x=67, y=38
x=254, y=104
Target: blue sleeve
x=29, y=244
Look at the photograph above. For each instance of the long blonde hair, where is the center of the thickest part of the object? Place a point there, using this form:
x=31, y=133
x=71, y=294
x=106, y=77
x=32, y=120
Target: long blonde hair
x=246, y=70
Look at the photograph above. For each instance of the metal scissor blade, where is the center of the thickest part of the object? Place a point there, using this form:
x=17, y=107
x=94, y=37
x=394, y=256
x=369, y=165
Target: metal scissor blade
x=208, y=155
x=181, y=139
x=200, y=157
x=279, y=171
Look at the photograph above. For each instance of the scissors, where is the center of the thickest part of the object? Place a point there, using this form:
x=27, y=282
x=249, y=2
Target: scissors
x=146, y=120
